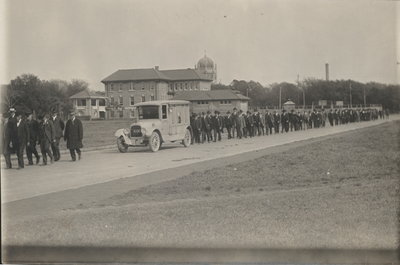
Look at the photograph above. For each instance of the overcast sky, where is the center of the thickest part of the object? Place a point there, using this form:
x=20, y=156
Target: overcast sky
x=265, y=41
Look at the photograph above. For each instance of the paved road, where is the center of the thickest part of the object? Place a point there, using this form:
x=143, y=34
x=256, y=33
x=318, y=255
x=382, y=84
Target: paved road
x=107, y=165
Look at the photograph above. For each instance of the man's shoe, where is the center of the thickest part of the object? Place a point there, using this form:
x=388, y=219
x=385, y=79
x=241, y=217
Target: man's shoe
x=30, y=163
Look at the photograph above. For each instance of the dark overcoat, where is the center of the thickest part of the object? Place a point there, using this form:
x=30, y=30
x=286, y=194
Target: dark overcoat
x=73, y=134
x=23, y=134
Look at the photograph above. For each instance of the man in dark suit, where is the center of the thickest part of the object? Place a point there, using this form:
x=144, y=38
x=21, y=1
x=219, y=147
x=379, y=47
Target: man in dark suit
x=216, y=124
x=33, y=127
x=23, y=139
x=207, y=126
x=198, y=128
x=228, y=123
x=46, y=138
x=73, y=135
x=10, y=144
x=58, y=128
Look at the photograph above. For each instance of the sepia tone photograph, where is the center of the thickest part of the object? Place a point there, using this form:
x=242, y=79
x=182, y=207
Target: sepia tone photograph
x=200, y=132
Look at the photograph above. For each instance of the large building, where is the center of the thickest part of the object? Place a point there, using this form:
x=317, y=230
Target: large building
x=89, y=104
x=221, y=100
x=124, y=88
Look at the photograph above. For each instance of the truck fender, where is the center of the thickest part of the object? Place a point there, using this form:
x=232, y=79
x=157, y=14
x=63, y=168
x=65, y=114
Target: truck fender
x=120, y=133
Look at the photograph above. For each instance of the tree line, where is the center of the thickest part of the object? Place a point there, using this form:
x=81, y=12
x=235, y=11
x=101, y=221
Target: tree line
x=314, y=90
x=27, y=93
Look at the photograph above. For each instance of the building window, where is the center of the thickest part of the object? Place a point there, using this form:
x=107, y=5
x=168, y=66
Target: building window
x=197, y=85
x=112, y=114
x=93, y=102
x=121, y=100
x=186, y=86
x=143, y=98
x=176, y=86
x=132, y=113
x=152, y=97
x=81, y=102
x=121, y=114
x=120, y=87
x=131, y=86
x=112, y=101
x=102, y=102
x=111, y=87
x=132, y=100
x=198, y=102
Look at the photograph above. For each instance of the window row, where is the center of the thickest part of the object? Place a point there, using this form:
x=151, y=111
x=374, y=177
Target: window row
x=131, y=86
x=131, y=100
x=183, y=86
x=93, y=102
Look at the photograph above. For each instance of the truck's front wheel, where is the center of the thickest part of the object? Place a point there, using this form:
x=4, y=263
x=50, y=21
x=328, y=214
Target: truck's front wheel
x=188, y=138
x=155, y=142
x=122, y=146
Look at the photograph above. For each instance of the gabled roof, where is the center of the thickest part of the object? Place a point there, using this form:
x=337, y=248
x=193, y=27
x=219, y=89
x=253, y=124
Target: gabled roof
x=136, y=74
x=185, y=74
x=225, y=94
x=88, y=94
x=154, y=74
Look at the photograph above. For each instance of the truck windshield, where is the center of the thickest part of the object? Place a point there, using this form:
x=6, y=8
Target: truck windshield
x=148, y=112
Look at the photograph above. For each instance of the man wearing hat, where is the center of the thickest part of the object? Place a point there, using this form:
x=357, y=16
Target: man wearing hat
x=10, y=137
x=46, y=138
x=58, y=128
x=73, y=135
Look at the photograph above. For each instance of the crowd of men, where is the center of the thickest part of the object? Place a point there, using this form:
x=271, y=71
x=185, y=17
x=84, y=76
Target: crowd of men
x=21, y=132
x=239, y=124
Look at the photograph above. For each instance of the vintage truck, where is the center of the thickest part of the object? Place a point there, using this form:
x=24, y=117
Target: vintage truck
x=155, y=123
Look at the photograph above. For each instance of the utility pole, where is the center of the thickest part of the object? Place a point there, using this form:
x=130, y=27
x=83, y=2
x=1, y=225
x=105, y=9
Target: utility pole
x=351, y=105
x=365, y=99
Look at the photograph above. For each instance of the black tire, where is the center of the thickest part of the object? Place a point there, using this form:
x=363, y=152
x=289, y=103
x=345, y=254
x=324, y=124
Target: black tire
x=188, y=138
x=155, y=142
x=122, y=146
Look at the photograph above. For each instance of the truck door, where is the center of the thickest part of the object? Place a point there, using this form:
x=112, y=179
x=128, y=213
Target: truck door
x=173, y=121
x=164, y=121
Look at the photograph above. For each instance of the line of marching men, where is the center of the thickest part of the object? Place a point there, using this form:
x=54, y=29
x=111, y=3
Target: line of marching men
x=21, y=132
x=239, y=124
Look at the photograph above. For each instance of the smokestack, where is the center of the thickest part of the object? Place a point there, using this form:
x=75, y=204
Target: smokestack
x=327, y=71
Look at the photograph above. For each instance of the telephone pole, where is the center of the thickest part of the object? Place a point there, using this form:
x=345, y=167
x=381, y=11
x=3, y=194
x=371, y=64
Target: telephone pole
x=351, y=105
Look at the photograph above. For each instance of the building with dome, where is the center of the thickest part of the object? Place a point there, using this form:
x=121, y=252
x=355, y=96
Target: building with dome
x=207, y=67
x=126, y=87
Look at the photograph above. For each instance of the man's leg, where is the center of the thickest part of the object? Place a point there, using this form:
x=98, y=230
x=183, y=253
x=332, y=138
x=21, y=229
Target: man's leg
x=29, y=151
x=79, y=153
x=7, y=157
x=72, y=152
x=20, y=156
x=43, y=150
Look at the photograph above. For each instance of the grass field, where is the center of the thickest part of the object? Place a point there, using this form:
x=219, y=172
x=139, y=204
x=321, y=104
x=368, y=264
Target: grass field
x=100, y=133
x=364, y=157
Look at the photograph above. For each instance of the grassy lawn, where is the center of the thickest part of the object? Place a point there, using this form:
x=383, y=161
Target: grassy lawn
x=100, y=133
x=363, y=157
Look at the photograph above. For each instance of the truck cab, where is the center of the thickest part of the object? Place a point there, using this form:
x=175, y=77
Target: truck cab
x=157, y=122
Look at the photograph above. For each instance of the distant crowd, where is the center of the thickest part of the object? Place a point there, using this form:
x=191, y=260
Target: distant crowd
x=239, y=124
x=22, y=132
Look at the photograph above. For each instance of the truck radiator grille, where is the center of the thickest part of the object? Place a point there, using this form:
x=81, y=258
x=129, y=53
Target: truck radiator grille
x=136, y=131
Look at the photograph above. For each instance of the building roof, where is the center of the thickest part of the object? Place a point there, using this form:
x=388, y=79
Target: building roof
x=155, y=74
x=88, y=94
x=225, y=94
x=205, y=62
x=136, y=74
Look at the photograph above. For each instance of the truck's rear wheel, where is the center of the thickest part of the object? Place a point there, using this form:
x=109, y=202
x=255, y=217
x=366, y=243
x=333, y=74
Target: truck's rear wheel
x=155, y=142
x=188, y=138
x=122, y=146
